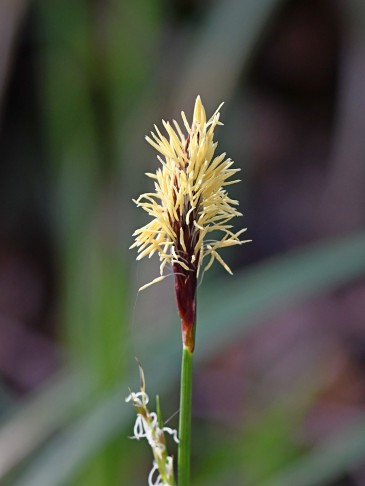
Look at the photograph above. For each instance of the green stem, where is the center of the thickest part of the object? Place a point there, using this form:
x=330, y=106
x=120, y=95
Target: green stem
x=185, y=418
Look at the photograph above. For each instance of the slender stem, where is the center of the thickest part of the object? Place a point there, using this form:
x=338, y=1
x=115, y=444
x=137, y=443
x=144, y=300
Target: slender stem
x=185, y=418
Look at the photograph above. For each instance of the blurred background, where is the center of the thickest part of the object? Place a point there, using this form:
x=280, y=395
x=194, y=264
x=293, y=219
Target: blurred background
x=279, y=389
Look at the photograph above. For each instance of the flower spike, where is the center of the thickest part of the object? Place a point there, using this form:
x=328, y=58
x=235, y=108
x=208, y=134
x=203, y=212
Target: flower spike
x=189, y=203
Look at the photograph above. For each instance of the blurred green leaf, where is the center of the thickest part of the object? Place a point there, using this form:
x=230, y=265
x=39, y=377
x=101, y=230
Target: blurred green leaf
x=263, y=447
x=41, y=416
x=329, y=461
x=222, y=49
x=79, y=127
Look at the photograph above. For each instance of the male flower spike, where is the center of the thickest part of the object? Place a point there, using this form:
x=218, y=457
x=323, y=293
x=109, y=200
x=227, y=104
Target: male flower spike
x=190, y=202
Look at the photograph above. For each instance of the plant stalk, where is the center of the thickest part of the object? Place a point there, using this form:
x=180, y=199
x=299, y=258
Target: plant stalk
x=185, y=418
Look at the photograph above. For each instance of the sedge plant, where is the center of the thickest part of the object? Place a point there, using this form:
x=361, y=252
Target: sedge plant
x=191, y=215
